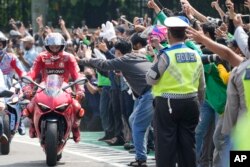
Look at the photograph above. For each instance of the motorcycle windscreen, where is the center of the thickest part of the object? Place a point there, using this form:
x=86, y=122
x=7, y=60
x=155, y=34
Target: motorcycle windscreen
x=53, y=85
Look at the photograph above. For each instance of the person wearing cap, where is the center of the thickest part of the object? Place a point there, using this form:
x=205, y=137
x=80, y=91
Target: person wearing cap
x=3, y=138
x=178, y=86
x=28, y=57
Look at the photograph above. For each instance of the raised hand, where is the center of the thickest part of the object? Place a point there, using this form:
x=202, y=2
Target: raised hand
x=247, y=4
x=151, y=4
x=237, y=21
x=39, y=20
x=61, y=23
x=230, y=8
x=195, y=35
x=215, y=4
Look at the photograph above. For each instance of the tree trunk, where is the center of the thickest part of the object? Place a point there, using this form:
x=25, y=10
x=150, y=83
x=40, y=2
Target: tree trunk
x=38, y=7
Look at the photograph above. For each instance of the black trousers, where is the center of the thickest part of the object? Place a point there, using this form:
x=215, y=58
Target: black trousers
x=116, y=115
x=175, y=131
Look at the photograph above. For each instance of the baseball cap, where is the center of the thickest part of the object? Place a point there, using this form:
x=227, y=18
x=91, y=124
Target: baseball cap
x=176, y=21
x=120, y=29
x=28, y=39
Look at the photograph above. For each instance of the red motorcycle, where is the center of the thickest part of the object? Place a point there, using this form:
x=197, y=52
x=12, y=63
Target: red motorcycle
x=53, y=114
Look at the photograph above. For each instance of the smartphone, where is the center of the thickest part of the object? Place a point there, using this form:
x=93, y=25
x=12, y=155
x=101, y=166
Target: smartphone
x=245, y=19
x=226, y=19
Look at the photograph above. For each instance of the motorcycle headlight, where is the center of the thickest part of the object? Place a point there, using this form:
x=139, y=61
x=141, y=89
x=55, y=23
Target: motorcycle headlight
x=43, y=107
x=62, y=107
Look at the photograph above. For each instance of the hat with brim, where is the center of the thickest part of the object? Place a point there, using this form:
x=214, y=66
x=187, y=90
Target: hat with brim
x=175, y=22
x=28, y=39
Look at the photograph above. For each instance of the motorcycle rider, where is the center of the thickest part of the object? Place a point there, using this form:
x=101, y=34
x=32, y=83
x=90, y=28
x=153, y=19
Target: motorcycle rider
x=3, y=137
x=9, y=64
x=54, y=60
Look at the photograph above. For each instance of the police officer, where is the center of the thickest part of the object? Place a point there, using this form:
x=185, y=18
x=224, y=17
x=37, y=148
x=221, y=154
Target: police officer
x=178, y=80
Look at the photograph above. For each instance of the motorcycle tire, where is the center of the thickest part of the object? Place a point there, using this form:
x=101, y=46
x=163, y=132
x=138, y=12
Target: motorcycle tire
x=51, y=139
x=5, y=148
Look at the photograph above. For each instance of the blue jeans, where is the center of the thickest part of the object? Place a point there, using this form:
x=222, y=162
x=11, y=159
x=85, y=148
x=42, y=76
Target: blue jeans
x=1, y=126
x=140, y=121
x=204, y=135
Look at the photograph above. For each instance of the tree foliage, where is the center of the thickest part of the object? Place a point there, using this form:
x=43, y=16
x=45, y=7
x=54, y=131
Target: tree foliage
x=94, y=12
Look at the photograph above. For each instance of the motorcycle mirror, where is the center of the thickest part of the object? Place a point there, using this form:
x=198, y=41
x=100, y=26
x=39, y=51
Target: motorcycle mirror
x=5, y=93
x=80, y=81
x=28, y=80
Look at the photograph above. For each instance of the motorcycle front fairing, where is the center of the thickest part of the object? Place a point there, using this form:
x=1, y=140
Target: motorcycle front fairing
x=53, y=103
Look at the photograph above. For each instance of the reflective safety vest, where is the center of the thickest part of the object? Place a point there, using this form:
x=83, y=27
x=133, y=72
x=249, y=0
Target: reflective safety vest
x=241, y=133
x=182, y=74
x=246, y=85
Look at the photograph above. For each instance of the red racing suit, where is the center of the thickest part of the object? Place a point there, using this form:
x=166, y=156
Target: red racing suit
x=66, y=66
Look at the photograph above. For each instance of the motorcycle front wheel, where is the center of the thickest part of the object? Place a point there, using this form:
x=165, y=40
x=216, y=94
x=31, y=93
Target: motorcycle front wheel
x=5, y=148
x=51, y=138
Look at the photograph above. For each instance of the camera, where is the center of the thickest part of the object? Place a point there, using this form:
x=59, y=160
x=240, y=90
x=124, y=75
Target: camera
x=215, y=21
x=140, y=20
x=245, y=18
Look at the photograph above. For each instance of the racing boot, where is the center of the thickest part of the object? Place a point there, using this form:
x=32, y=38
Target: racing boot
x=4, y=139
x=32, y=130
x=76, y=134
x=76, y=128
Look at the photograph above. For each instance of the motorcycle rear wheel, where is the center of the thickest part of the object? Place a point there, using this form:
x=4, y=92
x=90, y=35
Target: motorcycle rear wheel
x=5, y=148
x=51, y=138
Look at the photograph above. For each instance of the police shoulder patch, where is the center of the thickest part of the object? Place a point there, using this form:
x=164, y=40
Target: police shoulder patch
x=186, y=57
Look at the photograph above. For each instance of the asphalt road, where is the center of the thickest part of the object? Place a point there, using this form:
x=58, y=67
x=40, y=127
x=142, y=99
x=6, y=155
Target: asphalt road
x=29, y=154
x=26, y=152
